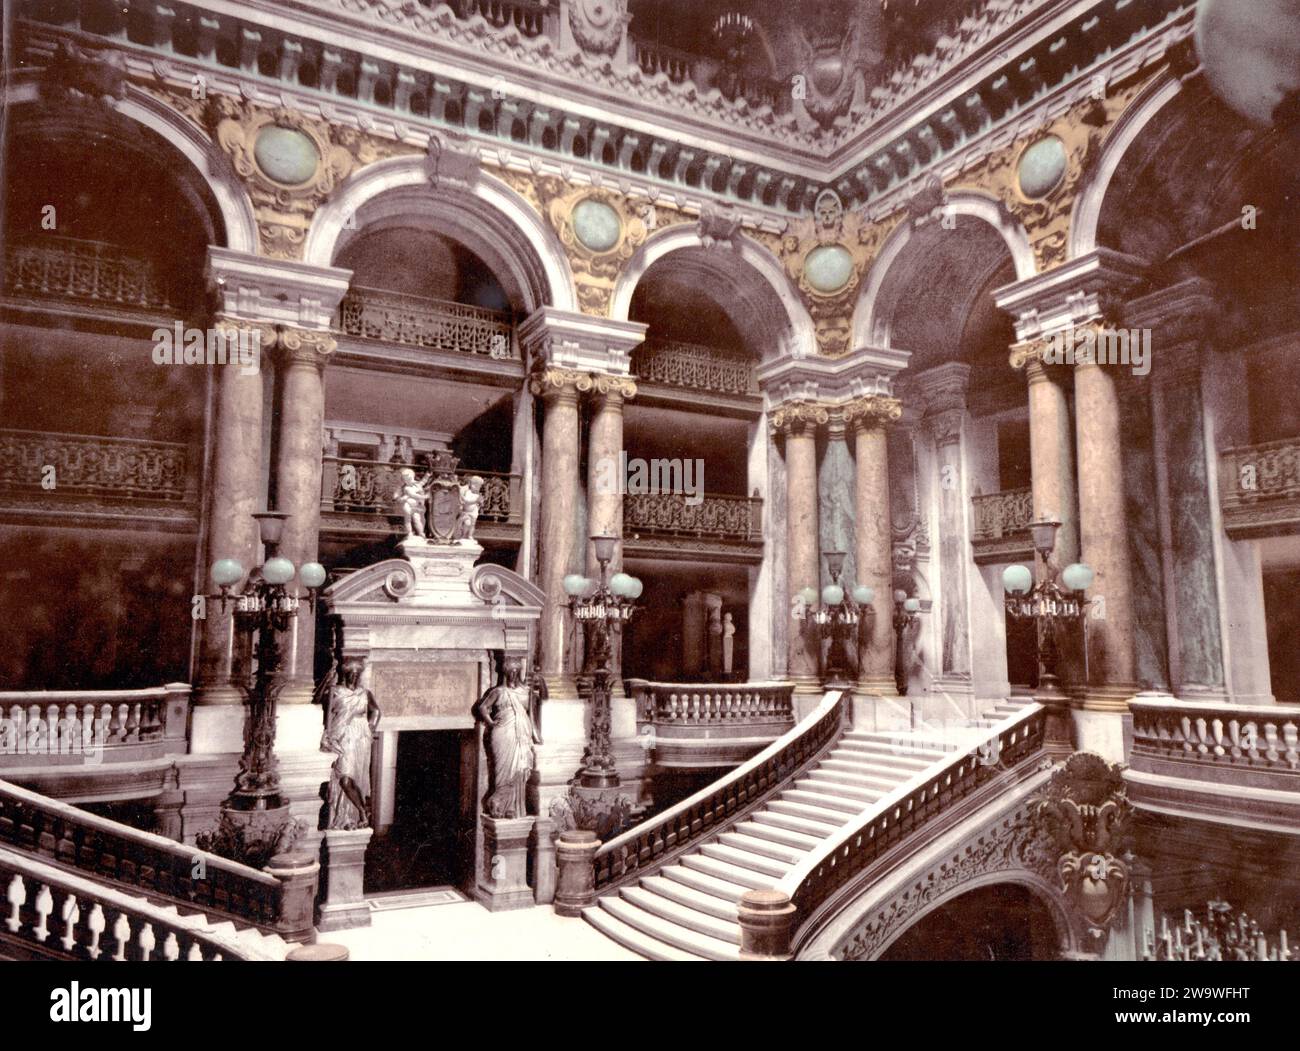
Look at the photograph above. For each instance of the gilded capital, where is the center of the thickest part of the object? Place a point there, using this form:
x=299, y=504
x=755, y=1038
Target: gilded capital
x=793, y=417
x=614, y=386
x=872, y=410
x=307, y=347
x=558, y=383
x=1030, y=350
x=264, y=333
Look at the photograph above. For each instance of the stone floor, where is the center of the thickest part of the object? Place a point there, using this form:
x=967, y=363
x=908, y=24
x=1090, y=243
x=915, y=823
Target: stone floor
x=467, y=931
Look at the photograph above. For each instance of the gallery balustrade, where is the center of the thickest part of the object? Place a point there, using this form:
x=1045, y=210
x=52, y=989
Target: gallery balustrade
x=694, y=367
x=714, y=517
x=1259, y=489
x=1001, y=528
x=368, y=487
x=90, y=271
x=112, y=467
x=711, y=724
x=391, y=317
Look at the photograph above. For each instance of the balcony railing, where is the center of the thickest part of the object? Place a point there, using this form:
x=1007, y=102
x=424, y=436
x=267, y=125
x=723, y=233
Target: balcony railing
x=125, y=468
x=714, y=517
x=527, y=16
x=712, y=724
x=1259, y=489
x=417, y=321
x=1001, y=529
x=369, y=487
x=678, y=66
x=91, y=271
x=694, y=367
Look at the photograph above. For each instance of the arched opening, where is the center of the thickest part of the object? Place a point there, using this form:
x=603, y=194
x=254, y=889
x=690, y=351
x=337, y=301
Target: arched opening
x=965, y=463
x=102, y=435
x=1005, y=921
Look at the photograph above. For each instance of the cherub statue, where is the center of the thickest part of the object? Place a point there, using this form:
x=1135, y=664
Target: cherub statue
x=411, y=500
x=350, y=723
x=471, y=502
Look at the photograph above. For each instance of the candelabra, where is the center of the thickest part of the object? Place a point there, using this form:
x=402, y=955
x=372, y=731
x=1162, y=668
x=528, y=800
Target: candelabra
x=1220, y=936
x=838, y=617
x=602, y=607
x=264, y=607
x=906, y=617
x=1048, y=603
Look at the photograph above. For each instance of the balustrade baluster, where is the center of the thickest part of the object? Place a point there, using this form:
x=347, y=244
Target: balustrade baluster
x=171, y=947
x=44, y=906
x=70, y=914
x=17, y=898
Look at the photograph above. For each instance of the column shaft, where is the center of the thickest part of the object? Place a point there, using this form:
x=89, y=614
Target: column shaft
x=802, y=549
x=1051, y=461
x=1104, y=538
x=875, y=559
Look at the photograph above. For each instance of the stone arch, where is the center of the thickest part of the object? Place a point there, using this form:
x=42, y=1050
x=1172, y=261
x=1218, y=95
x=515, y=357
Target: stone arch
x=1040, y=888
x=886, y=284
x=232, y=200
x=488, y=217
x=766, y=302
x=1086, y=217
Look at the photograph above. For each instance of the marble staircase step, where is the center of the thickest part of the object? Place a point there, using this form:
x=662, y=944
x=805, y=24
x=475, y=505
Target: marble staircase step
x=824, y=800
x=812, y=813
x=631, y=938
x=689, y=895
x=704, y=882
x=792, y=822
x=683, y=915
x=777, y=834
x=760, y=845
x=758, y=863
x=669, y=933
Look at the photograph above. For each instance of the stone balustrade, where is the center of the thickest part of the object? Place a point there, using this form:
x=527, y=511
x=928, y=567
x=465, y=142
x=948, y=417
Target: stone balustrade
x=714, y=517
x=368, y=313
x=111, y=467
x=1259, y=489
x=47, y=913
x=368, y=487
x=704, y=725
x=695, y=367
x=90, y=271
x=1001, y=526
x=1218, y=737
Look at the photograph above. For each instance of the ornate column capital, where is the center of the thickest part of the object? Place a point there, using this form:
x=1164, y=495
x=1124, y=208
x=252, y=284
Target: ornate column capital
x=614, y=388
x=305, y=348
x=559, y=384
x=795, y=417
x=872, y=410
x=943, y=390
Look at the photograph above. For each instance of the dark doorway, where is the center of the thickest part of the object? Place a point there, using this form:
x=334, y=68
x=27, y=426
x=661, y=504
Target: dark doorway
x=431, y=840
x=1002, y=922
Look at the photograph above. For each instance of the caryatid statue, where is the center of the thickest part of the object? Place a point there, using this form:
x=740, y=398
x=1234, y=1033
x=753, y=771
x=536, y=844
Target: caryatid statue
x=509, y=738
x=351, y=719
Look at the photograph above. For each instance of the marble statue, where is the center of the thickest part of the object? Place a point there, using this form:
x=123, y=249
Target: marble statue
x=351, y=719
x=471, y=502
x=412, y=498
x=509, y=738
x=728, y=643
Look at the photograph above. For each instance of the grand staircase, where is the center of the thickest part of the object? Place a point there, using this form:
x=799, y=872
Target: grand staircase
x=686, y=910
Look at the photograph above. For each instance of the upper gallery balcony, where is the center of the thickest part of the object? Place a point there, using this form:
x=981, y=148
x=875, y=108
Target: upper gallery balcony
x=1001, y=532
x=717, y=528
x=83, y=276
x=357, y=498
x=1259, y=489
x=691, y=374
x=448, y=336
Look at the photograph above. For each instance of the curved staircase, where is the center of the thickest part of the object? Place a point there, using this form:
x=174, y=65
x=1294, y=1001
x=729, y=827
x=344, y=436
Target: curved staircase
x=686, y=909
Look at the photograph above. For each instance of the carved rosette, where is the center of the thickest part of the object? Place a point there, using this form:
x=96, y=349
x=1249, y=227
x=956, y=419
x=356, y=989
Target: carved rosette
x=560, y=383
x=598, y=25
x=795, y=417
x=284, y=210
x=873, y=410
x=305, y=347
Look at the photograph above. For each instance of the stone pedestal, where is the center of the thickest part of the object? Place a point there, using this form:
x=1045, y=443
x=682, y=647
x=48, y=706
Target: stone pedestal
x=345, y=863
x=766, y=925
x=503, y=883
x=298, y=872
x=575, y=889
x=544, y=872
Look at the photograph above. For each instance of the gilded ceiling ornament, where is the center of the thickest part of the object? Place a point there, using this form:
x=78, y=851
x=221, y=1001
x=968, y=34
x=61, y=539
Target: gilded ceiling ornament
x=794, y=416
x=872, y=410
x=290, y=164
x=1039, y=177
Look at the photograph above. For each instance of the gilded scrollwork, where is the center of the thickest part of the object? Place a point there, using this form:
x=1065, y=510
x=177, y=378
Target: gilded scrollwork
x=794, y=416
x=305, y=346
x=872, y=410
x=553, y=381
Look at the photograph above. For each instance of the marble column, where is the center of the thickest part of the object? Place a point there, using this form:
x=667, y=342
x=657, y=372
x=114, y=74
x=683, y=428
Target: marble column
x=301, y=356
x=235, y=492
x=874, y=540
x=1051, y=451
x=605, y=503
x=944, y=392
x=559, y=390
x=798, y=422
x=1103, y=532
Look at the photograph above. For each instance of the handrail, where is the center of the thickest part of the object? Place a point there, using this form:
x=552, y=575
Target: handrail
x=882, y=825
x=55, y=914
x=109, y=849
x=1248, y=737
x=753, y=780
